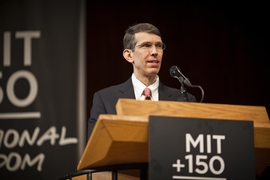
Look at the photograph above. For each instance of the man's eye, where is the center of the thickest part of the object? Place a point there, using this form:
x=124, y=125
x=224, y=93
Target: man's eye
x=158, y=45
x=147, y=45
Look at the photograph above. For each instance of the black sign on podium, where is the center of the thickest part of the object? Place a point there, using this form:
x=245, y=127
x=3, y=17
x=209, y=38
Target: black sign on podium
x=200, y=149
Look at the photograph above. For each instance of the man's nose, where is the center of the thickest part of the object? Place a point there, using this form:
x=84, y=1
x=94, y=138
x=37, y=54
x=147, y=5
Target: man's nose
x=153, y=49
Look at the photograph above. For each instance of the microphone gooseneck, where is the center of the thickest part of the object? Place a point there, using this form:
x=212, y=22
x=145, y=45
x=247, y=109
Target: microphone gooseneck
x=175, y=72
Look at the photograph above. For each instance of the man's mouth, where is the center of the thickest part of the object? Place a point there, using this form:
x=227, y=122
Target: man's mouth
x=153, y=61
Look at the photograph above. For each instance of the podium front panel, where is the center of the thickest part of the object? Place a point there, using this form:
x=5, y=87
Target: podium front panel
x=195, y=148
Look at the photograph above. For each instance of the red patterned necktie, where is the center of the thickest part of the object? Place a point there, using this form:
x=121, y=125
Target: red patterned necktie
x=147, y=93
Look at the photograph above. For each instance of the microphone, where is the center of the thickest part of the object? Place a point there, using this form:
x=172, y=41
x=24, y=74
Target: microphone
x=175, y=72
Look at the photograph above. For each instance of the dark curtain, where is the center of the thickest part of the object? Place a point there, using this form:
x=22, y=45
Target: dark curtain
x=221, y=46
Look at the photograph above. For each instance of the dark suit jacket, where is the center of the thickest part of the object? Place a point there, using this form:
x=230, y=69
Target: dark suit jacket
x=104, y=101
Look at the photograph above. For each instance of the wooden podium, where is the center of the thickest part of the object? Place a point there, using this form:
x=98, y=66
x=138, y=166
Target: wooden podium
x=123, y=138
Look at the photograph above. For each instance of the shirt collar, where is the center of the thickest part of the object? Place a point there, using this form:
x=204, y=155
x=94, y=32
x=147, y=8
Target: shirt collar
x=139, y=87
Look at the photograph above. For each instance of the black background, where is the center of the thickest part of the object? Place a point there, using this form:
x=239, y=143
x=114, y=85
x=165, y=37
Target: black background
x=222, y=46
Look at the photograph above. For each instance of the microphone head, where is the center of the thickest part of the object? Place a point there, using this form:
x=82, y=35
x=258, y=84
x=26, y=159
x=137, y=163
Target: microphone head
x=175, y=72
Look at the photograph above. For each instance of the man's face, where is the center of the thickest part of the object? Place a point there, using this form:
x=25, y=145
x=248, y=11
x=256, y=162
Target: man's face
x=147, y=55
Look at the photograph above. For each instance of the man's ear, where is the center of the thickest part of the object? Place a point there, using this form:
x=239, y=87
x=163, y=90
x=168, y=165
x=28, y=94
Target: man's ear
x=127, y=53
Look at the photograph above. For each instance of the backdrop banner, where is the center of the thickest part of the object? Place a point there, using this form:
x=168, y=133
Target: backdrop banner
x=42, y=82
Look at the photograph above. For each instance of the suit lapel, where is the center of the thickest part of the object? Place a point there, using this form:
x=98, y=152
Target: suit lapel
x=164, y=93
x=126, y=90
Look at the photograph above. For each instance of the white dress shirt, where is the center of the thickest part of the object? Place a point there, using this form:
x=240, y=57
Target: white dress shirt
x=138, y=87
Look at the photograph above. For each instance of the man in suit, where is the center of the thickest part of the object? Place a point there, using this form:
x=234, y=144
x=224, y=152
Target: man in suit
x=143, y=48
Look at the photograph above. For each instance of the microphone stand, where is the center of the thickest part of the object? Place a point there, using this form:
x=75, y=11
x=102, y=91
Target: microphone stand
x=188, y=83
x=183, y=89
x=176, y=73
